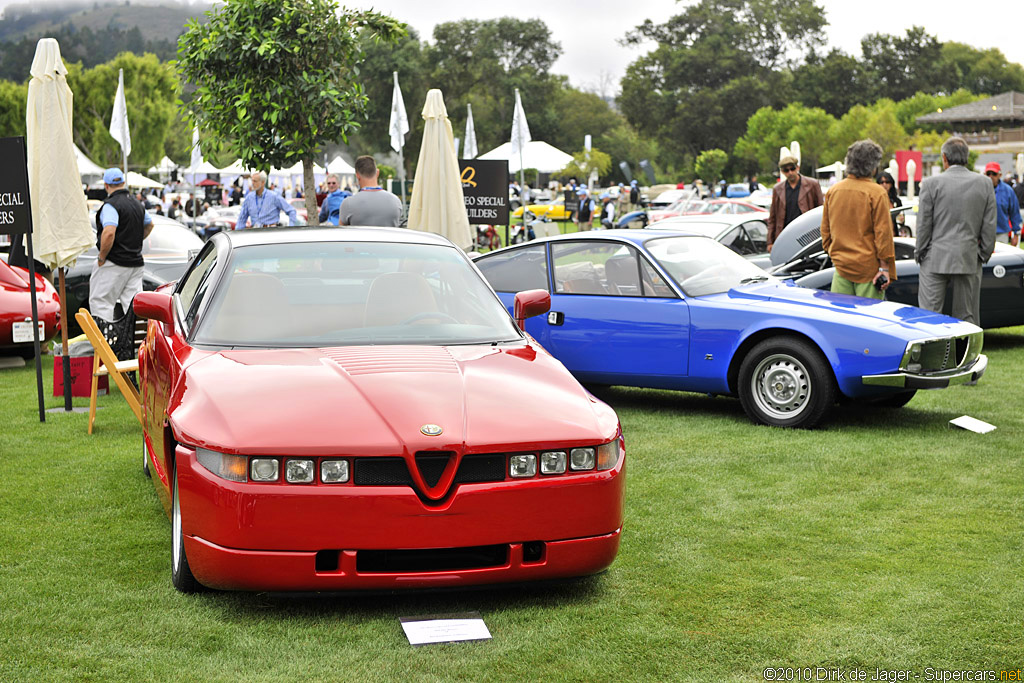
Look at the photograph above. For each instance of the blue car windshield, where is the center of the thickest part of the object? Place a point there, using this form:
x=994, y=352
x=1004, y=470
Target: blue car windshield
x=702, y=266
x=307, y=294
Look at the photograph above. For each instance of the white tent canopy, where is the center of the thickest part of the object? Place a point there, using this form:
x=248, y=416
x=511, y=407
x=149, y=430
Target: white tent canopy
x=163, y=167
x=836, y=167
x=86, y=166
x=200, y=172
x=536, y=154
x=138, y=180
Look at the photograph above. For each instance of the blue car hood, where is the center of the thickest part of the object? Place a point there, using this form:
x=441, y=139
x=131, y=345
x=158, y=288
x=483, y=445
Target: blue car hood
x=824, y=305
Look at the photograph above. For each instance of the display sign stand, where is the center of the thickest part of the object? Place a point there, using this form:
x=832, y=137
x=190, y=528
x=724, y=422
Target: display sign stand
x=14, y=184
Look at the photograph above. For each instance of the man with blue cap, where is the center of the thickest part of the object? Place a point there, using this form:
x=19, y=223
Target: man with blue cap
x=586, y=209
x=121, y=225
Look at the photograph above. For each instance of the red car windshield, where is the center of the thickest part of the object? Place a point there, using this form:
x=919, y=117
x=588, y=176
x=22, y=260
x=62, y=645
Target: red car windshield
x=352, y=293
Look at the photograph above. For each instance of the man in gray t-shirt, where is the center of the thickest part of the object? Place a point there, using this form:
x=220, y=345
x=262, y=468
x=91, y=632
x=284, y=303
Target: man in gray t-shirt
x=372, y=204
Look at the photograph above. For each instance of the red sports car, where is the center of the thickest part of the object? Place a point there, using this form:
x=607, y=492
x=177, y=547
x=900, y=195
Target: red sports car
x=355, y=409
x=16, y=310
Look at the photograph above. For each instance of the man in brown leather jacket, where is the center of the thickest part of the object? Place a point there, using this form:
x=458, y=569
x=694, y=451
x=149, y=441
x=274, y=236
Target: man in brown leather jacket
x=794, y=195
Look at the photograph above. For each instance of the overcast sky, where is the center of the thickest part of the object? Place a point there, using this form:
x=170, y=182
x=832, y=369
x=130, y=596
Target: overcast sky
x=588, y=31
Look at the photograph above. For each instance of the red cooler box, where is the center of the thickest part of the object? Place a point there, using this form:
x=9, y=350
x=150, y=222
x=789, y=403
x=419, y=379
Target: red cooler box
x=81, y=376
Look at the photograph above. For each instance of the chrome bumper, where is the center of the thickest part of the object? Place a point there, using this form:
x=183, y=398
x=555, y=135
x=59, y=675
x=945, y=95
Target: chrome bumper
x=938, y=380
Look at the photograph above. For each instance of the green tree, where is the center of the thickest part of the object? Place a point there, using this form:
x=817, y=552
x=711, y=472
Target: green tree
x=982, y=71
x=149, y=88
x=623, y=143
x=13, y=99
x=713, y=66
x=279, y=78
x=835, y=82
x=710, y=164
x=769, y=129
x=482, y=62
x=903, y=65
x=584, y=163
x=877, y=122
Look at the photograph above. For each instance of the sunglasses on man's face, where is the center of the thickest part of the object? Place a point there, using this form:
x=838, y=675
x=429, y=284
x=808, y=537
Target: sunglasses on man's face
x=991, y=174
x=787, y=169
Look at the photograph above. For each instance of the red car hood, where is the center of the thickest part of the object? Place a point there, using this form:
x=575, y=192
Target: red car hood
x=374, y=400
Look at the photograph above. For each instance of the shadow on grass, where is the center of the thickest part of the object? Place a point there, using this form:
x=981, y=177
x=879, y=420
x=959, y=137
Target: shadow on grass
x=1004, y=339
x=847, y=415
x=362, y=607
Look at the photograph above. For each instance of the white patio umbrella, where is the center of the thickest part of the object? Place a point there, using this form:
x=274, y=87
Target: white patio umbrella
x=469, y=150
x=60, y=217
x=437, y=203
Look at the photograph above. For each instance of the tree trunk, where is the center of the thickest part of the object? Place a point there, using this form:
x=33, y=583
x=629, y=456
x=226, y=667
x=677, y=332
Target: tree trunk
x=309, y=191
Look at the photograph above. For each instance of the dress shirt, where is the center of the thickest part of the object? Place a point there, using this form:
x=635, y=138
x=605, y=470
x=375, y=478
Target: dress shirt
x=264, y=210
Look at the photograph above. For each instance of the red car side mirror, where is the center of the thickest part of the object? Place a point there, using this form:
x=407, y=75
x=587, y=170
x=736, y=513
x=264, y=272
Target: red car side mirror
x=154, y=306
x=530, y=303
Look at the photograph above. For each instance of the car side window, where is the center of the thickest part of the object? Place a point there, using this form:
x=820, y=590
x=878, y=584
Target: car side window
x=516, y=270
x=603, y=268
x=757, y=231
x=735, y=240
x=654, y=284
x=193, y=288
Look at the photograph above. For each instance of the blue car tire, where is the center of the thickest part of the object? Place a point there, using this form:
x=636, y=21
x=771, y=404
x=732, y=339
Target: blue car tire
x=786, y=382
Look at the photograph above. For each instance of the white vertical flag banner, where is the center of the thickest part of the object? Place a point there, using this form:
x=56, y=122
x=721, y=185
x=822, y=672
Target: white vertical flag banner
x=469, y=150
x=197, y=155
x=119, y=118
x=399, y=125
x=520, y=129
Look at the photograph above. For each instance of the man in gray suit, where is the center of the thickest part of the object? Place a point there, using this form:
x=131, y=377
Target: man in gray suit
x=956, y=233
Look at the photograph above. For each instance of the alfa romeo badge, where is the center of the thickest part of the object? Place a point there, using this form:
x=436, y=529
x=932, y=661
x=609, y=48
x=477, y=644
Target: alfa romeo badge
x=431, y=430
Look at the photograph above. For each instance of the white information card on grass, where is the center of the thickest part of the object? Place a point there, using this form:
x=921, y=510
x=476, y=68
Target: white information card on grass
x=444, y=628
x=972, y=424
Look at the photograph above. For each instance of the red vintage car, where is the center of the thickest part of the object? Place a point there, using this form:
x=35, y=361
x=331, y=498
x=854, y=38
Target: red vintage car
x=354, y=409
x=16, y=310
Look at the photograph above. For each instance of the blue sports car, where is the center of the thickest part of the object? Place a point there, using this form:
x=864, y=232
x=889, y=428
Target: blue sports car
x=674, y=310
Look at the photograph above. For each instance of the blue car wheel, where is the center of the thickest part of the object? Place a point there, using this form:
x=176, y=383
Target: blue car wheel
x=786, y=382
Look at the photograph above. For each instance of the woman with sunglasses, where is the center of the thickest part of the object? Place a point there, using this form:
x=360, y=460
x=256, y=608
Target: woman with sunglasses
x=898, y=220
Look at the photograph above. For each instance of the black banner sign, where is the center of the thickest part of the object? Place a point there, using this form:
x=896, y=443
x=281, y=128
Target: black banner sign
x=15, y=207
x=485, y=188
x=572, y=200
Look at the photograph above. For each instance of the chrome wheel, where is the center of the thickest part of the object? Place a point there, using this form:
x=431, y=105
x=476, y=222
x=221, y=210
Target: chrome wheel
x=781, y=386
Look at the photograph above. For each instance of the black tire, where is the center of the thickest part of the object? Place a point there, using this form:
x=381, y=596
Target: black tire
x=145, y=458
x=786, y=382
x=181, y=575
x=895, y=400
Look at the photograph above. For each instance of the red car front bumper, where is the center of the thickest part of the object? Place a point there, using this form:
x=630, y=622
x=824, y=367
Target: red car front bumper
x=247, y=536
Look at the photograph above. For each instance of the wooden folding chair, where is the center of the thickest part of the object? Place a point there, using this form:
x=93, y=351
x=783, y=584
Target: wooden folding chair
x=111, y=366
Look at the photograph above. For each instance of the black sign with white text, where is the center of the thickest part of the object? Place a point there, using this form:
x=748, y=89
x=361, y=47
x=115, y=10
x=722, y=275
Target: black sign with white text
x=485, y=188
x=15, y=209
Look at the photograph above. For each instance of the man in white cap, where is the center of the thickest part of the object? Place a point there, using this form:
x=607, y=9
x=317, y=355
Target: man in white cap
x=121, y=225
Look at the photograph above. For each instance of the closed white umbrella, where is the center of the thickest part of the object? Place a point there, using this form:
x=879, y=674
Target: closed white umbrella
x=469, y=150
x=60, y=217
x=437, y=203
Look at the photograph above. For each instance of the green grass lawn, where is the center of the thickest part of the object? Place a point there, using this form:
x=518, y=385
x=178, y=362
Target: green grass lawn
x=884, y=539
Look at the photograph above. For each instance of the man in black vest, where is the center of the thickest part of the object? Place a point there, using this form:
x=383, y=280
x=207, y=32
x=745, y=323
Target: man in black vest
x=121, y=225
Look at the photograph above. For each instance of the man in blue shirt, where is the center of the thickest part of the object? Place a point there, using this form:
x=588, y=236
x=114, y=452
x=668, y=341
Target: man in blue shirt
x=121, y=226
x=330, y=210
x=264, y=207
x=1007, y=207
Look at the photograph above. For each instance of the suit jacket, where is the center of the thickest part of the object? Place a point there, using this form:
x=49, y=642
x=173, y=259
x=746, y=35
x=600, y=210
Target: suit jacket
x=810, y=196
x=956, y=222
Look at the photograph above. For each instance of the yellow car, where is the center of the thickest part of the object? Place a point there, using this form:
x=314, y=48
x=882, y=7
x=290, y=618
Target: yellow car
x=555, y=210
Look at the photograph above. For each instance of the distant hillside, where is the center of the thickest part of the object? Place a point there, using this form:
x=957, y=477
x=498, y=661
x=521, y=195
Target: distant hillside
x=157, y=20
x=91, y=35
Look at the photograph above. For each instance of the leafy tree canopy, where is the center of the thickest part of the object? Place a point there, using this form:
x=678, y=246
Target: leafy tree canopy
x=278, y=79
